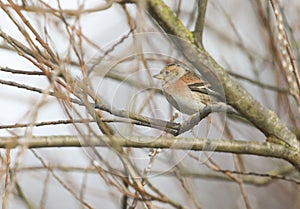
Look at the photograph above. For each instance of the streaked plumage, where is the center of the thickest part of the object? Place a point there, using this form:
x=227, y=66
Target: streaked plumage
x=186, y=90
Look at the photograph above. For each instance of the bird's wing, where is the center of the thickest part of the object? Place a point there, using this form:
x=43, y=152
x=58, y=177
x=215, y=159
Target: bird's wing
x=202, y=86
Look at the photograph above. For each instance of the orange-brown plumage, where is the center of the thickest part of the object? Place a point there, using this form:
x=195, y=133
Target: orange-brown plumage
x=186, y=90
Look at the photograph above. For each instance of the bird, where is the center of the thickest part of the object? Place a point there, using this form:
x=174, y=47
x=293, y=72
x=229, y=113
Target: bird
x=187, y=91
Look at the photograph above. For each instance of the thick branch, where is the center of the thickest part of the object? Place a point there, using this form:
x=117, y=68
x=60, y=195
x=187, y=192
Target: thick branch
x=263, y=118
x=265, y=149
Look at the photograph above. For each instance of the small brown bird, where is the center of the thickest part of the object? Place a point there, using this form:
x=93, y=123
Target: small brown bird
x=185, y=90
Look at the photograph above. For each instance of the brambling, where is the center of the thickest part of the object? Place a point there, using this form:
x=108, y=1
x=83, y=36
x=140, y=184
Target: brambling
x=185, y=90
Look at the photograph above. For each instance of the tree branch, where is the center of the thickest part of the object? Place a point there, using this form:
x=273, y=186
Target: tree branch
x=264, y=119
x=198, y=33
x=249, y=147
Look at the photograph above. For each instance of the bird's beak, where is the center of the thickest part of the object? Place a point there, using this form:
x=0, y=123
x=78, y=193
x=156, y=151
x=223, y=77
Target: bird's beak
x=158, y=76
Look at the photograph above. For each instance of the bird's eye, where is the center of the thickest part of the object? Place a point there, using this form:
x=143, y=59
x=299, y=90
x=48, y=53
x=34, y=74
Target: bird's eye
x=167, y=72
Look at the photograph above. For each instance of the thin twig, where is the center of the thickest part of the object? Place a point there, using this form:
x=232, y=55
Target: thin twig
x=276, y=174
x=55, y=176
x=25, y=72
x=288, y=61
x=260, y=84
x=196, y=118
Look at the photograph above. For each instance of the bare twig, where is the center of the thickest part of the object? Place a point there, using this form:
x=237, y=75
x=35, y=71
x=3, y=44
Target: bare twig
x=288, y=61
x=67, y=12
x=25, y=72
x=260, y=84
x=196, y=118
x=248, y=177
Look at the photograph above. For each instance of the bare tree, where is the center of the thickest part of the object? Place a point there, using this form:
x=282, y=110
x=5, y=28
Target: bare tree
x=78, y=76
